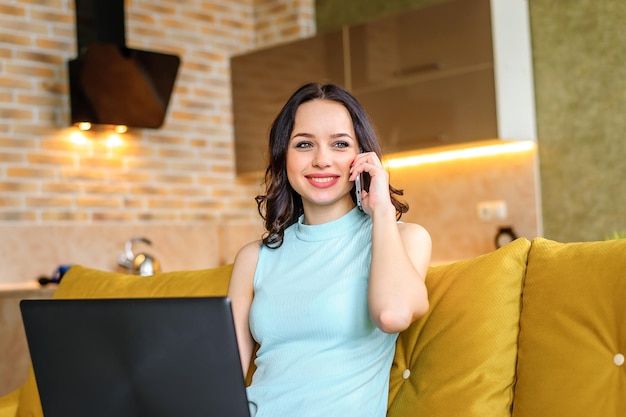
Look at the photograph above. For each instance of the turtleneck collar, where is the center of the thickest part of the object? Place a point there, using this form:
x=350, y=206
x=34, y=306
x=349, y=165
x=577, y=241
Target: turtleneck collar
x=347, y=223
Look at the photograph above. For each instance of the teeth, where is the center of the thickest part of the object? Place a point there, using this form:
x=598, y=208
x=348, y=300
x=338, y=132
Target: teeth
x=324, y=179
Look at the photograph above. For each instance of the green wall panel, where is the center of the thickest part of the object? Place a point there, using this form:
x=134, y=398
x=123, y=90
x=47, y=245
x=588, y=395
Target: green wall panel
x=579, y=51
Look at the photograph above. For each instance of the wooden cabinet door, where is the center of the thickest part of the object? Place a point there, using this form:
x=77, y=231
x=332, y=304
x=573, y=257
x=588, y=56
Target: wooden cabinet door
x=435, y=112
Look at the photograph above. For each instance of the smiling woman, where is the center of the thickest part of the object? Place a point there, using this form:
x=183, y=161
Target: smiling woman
x=320, y=155
x=327, y=282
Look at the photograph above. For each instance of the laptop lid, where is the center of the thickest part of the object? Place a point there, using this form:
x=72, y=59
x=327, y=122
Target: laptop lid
x=149, y=357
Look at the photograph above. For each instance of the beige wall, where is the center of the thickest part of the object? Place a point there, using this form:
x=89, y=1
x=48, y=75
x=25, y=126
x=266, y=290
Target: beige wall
x=444, y=196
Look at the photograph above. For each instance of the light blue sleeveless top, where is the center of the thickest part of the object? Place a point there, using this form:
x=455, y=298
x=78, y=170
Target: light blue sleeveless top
x=321, y=355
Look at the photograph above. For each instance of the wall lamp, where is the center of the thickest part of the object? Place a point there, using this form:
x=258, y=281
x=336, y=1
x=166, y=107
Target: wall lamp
x=85, y=126
x=86, y=132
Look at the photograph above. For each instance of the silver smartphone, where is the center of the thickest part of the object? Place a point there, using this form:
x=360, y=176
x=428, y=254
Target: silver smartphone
x=358, y=187
x=362, y=182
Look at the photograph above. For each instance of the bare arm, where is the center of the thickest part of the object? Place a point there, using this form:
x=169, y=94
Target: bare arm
x=400, y=255
x=240, y=291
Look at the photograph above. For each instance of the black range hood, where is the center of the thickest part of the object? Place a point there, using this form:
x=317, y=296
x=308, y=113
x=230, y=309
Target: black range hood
x=111, y=84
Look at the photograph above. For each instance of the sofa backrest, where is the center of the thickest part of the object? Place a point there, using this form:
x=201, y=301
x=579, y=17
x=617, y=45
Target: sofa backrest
x=459, y=359
x=573, y=331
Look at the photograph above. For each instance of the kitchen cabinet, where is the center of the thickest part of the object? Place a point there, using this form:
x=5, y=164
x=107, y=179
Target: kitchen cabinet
x=263, y=80
x=452, y=72
x=426, y=77
x=431, y=42
x=436, y=112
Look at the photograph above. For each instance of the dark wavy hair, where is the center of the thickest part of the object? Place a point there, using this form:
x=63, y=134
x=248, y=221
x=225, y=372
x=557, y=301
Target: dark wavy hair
x=281, y=206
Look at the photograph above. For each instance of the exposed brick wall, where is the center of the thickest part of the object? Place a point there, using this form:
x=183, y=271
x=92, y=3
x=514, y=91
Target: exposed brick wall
x=181, y=173
x=281, y=21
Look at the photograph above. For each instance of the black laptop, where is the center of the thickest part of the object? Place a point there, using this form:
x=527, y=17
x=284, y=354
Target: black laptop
x=147, y=357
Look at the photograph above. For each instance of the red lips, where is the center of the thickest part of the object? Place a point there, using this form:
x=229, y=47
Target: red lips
x=322, y=180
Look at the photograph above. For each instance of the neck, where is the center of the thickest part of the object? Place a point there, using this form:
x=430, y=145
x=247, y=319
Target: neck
x=317, y=214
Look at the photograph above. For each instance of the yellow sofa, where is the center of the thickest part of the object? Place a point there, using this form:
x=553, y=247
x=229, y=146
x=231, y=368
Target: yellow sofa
x=533, y=329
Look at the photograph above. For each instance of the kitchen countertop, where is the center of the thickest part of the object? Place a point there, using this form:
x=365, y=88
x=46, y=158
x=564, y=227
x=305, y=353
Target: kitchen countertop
x=13, y=346
x=26, y=290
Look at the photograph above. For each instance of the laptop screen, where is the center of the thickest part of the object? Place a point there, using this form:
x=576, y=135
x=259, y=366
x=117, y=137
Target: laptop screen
x=135, y=357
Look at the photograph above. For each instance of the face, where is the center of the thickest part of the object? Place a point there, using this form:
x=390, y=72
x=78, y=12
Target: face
x=321, y=149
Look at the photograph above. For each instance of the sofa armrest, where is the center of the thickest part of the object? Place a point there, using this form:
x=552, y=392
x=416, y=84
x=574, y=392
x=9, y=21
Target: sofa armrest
x=8, y=403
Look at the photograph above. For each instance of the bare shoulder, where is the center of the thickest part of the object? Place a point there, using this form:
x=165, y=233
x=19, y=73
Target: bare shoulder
x=248, y=253
x=247, y=257
x=245, y=265
x=418, y=245
x=414, y=233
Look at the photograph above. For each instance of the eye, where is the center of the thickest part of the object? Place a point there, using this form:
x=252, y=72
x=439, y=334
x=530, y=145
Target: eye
x=303, y=145
x=341, y=144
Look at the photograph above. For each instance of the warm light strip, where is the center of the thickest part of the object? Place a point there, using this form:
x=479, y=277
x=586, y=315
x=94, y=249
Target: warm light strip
x=466, y=153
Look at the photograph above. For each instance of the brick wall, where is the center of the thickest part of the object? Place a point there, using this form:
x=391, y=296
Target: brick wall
x=181, y=173
x=71, y=199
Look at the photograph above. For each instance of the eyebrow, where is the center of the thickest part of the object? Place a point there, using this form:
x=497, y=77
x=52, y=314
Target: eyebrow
x=306, y=135
x=340, y=135
x=310, y=135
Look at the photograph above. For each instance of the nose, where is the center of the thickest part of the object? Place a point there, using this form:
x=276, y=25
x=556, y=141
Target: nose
x=321, y=158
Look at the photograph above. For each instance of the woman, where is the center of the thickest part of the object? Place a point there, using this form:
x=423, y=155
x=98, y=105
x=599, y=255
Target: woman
x=328, y=288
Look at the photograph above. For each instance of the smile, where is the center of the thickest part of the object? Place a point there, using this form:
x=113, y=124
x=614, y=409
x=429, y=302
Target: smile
x=322, y=182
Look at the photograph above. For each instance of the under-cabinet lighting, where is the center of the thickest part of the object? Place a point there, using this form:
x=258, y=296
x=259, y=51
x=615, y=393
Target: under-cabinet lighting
x=84, y=125
x=112, y=136
x=502, y=147
x=114, y=140
x=78, y=138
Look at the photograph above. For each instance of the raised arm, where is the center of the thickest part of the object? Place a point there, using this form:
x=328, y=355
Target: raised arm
x=400, y=255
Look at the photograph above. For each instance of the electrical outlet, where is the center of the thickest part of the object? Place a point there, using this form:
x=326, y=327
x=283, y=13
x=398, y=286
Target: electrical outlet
x=491, y=210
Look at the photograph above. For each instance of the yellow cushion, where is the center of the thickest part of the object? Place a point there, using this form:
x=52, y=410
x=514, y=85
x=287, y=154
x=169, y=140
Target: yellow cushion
x=573, y=325
x=81, y=282
x=8, y=403
x=460, y=358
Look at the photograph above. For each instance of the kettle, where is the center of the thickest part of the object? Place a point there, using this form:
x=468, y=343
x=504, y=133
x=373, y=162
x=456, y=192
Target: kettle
x=141, y=263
